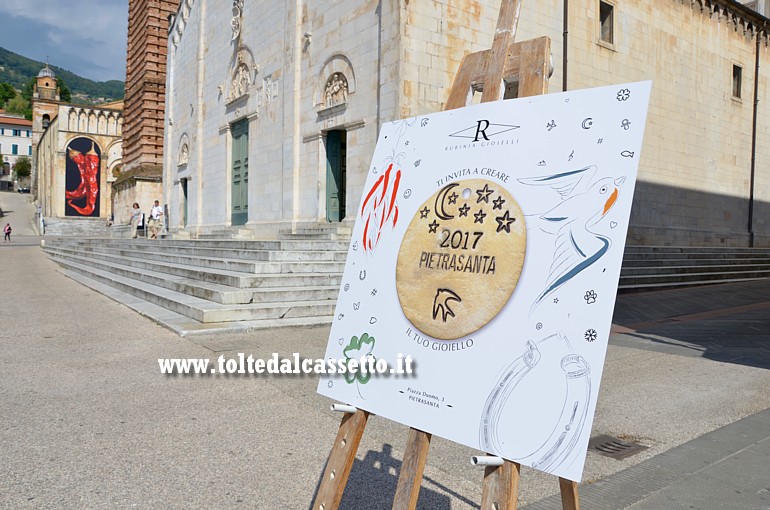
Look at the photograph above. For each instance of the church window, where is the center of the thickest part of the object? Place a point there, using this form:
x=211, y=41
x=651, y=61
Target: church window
x=737, y=77
x=606, y=22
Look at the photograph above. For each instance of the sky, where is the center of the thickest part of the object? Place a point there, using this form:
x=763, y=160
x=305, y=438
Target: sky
x=87, y=37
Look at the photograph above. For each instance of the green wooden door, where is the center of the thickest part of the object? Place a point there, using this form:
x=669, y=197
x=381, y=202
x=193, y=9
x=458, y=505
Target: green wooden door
x=335, y=175
x=240, y=190
x=184, y=199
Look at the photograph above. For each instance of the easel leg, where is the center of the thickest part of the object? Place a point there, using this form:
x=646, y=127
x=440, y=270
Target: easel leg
x=340, y=461
x=569, y=494
x=410, y=478
x=501, y=487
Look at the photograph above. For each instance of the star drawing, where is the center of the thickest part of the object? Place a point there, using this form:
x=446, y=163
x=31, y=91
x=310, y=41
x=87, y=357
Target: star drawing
x=453, y=198
x=432, y=227
x=484, y=194
x=464, y=210
x=479, y=216
x=498, y=203
x=504, y=222
x=424, y=213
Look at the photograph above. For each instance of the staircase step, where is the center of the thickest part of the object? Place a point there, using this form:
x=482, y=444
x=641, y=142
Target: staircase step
x=692, y=277
x=629, y=288
x=199, y=309
x=182, y=325
x=253, y=266
x=294, y=275
x=627, y=271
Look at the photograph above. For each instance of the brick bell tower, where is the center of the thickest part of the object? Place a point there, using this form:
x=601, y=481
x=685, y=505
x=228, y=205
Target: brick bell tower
x=145, y=98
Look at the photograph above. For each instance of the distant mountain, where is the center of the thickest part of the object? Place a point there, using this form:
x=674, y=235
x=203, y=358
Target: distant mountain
x=17, y=70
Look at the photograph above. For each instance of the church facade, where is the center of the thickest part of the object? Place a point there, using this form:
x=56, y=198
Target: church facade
x=77, y=152
x=273, y=108
x=78, y=157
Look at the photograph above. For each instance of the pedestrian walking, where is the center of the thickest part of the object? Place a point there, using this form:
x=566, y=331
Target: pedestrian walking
x=136, y=218
x=156, y=214
x=7, y=231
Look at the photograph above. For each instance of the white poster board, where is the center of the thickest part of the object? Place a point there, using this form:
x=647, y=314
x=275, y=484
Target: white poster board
x=487, y=247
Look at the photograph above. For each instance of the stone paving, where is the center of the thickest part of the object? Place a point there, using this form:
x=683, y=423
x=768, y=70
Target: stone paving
x=88, y=421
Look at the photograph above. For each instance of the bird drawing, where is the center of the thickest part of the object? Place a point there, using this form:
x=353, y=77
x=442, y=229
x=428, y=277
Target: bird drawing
x=441, y=303
x=585, y=200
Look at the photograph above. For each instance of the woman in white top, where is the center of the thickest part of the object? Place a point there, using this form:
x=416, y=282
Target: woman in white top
x=136, y=217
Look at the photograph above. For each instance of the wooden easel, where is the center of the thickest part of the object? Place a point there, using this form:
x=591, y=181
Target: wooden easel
x=487, y=71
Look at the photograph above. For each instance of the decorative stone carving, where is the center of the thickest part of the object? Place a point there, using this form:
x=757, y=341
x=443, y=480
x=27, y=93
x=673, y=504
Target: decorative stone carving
x=237, y=20
x=336, y=91
x=241, y=81
x=336, y=82
x=242, y=77
x=184, y=151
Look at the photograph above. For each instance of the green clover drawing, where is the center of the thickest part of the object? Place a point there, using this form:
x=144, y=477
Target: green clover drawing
x=357, y=349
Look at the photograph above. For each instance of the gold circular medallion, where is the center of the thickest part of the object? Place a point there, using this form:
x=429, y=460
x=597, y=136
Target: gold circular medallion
x=461, y=258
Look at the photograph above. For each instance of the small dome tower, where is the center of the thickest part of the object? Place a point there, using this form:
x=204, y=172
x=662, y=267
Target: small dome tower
x=45, y=87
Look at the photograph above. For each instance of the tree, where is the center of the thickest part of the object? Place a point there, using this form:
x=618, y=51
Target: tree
x=64, y=91
x=23, y=167
x=19, y=106
x=29, y=89
x=7, y=92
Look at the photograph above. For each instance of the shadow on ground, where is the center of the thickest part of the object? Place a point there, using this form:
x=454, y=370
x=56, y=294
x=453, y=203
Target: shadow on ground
x=727, y=322
x=372, y=484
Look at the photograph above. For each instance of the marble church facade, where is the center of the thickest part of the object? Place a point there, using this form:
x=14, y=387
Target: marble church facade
x=273, y=108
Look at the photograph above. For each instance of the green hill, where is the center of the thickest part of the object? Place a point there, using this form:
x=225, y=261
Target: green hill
x=17, y=70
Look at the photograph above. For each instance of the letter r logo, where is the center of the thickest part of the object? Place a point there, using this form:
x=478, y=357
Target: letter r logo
x=481, y=130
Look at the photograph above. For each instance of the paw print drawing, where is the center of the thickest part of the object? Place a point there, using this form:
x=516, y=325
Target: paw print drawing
x=590, y=297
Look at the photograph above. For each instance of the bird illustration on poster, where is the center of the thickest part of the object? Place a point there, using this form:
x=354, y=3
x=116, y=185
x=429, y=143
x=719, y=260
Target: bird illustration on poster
x=584, y=202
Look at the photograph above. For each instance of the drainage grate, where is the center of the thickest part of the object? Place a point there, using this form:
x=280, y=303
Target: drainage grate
x=613, y=447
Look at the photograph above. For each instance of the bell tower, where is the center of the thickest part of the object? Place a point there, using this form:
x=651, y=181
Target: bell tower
x=45, y=86
x=45, y=108
x=146, y=83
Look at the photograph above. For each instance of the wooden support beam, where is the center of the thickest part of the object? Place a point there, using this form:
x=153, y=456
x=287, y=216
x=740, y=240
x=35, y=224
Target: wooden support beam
x=501, y=487
x=410, y=477
x=569, y=494
x=507, y=23
x=526, y=62
x=340, y=461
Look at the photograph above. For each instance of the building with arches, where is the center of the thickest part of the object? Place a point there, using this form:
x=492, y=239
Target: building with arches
x=273, y=108
x=78, y=158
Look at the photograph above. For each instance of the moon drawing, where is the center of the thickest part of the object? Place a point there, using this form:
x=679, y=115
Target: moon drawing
x=588, y=123
x=441, y=202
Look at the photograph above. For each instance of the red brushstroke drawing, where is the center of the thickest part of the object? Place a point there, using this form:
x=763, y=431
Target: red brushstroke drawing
x=379, y=209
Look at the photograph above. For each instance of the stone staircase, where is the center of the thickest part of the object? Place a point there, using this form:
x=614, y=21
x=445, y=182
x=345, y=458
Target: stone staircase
x=223, y=284
x=211, y=285
x=668, y=267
